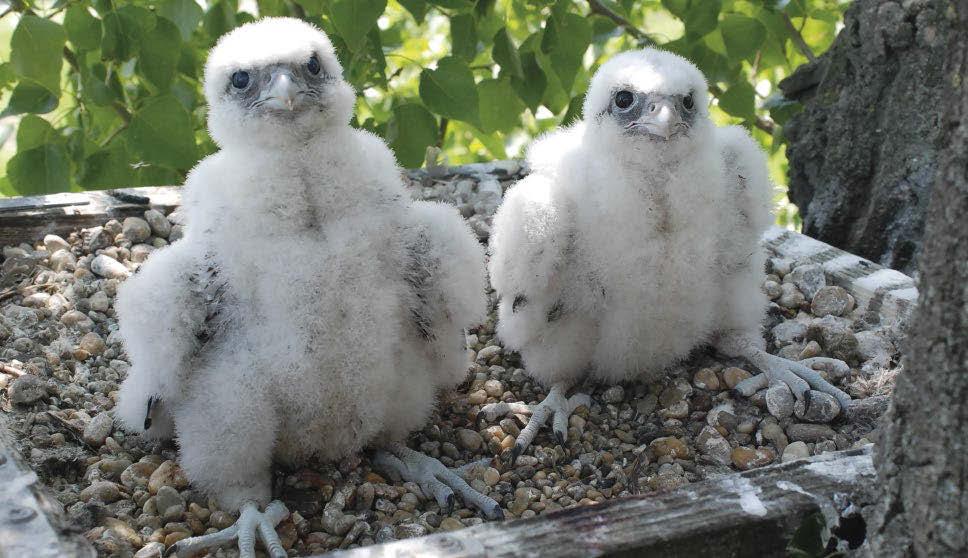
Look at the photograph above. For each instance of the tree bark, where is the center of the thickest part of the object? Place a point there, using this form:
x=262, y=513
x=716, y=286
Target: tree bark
x=864, y=151
x=923, y=458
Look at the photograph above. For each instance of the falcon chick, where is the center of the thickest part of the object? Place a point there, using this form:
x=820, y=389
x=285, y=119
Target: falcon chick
x=635, y=240
x=312, y=308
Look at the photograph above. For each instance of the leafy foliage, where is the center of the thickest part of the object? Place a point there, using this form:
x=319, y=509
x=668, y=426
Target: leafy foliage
x=119, y=84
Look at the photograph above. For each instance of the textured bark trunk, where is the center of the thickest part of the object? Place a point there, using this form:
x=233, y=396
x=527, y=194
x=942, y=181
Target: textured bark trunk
x=923, y=458
x=863, y=153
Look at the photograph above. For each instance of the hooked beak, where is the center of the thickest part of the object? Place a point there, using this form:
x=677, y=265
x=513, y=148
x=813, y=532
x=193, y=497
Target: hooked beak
x=282, y=91
x=660, y=118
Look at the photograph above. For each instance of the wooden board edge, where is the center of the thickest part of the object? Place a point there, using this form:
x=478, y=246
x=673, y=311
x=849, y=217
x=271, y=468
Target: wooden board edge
x=887, y=296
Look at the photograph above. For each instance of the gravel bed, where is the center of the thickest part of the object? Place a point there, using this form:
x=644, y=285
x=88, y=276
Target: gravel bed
x=62, y=364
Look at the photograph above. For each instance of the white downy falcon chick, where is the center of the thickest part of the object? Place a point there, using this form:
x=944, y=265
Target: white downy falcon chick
x=635, y=240
x=312, y=308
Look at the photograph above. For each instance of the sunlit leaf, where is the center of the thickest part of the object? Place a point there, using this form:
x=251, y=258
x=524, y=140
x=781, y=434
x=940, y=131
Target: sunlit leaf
x=463, y=36
x=160, y=51
x=565, y=41
x=410, y=131
x=83, y=29
x=738, y=100
x=743, y=35
x=184, y=13
x=450, y=90
x=353, y=19
x=500, y=107
x=506, y=55
x=161, y=132
x=35, y=51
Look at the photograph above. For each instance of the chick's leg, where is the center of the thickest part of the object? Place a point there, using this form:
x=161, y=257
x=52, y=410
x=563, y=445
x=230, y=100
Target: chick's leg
x=798, y=376
x=435, y=479
x=251, y=524
x=555, y=405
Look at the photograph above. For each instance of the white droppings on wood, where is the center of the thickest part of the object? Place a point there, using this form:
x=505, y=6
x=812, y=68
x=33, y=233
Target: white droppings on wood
x=842, y=263
x=801, y=246
x=883, y=279
x=773, y=233
x=792, y=487
x=846, y=470
x=748, y=493
x=909, y=294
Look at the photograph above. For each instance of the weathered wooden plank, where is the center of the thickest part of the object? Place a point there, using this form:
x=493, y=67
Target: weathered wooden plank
x=745, y=514
x=888, y=296
x=29, y=219
x=30, y=523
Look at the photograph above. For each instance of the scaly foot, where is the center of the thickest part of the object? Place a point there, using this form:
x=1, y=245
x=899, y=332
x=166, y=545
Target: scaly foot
x=251, y=523
x=555, y=404
x=435, y=479
x=800, y=376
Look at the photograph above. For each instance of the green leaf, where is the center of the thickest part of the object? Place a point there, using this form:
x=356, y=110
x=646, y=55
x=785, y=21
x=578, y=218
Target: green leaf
x=36, y=51
x=83, y=29
x=411, y=130
x=220, y=18
x=565, y=41
x=184, y=13
x=160, y=51
x=500, y=107
x=506, y=55
x=32, y=97
x=738, y=100
x=417, y=8
x=493, y=142
x=743, y=35
x=702, y=17
x=7, y=75
x=161, y=133
x=463, y=36
x=107, y=168
x=123, y=29
x=678, y=8
x=462, y=5
x=99, y=88
x=354, y=18
x=34, y=131
x=450, y=90
x=531, y=89
x=45, y=169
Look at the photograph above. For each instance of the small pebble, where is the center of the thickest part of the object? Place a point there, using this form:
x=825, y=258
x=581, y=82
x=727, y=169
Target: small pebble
x=817, y=406
x=135, y=229
x=106, y=266
x=831, y=301
x=795, y=450
x=27, y=389
x=733, y=376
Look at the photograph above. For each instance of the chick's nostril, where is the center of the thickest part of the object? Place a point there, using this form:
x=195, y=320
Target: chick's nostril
x=652, y=107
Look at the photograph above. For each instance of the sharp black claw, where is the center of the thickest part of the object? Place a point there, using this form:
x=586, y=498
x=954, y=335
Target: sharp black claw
x=515, y=452
x=480, y=419
x=736, y=393
x=451, y=500
x=806, y=402
x=171, y=550
x=560, y=436
x=498, y=514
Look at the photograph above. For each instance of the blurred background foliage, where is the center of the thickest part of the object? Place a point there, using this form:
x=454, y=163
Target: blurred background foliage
x=104, y=93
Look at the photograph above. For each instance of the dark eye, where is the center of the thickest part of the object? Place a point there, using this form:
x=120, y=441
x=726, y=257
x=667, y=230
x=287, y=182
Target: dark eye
x=687, y=102
x=624, y=99
x=240, y=79
x=313, y=65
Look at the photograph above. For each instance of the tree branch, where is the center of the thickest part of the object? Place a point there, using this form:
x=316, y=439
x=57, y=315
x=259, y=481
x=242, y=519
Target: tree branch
x=797, y=38
x=597, y=7
x=764, y=124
